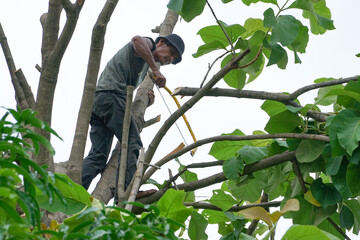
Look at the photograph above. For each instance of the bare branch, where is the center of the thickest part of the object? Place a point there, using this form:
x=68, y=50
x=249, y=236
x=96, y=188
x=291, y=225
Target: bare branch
x=201, y=142
x=204, y=205
x=220, y=177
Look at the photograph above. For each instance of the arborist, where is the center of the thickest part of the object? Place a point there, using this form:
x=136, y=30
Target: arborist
x=127, y=67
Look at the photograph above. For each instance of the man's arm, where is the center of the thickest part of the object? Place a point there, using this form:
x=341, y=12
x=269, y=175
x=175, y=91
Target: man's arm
x=142, y=47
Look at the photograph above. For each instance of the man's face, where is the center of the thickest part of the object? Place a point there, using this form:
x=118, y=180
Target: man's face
x=165, y=54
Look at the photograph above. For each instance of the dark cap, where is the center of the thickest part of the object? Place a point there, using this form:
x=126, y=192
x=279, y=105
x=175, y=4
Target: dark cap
x=176, y=41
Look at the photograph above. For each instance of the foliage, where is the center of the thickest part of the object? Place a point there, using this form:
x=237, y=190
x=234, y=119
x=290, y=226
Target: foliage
x=326, y=182
x=28, y=188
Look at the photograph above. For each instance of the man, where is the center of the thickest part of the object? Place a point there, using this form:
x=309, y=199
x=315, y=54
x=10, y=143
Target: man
x=128, y=67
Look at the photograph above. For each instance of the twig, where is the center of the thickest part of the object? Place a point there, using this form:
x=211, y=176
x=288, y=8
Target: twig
x=222, y=28
x=299, y=175
x=137, y=180
x=124, y=141
x=255, y=58
x=337, y=228
x=172, y=179
x=152, y=121
x=210, y=67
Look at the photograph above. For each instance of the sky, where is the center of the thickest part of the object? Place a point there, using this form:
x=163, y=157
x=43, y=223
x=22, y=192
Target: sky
x=328, y=55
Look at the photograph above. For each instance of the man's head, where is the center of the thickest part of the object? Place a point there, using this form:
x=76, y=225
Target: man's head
x=170, y=48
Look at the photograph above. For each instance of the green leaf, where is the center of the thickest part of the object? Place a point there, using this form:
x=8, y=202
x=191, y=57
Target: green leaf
x=346, y=217
x=222, y=200
x=251, y=154
x=326, y=194
x=339, y=180
x=306, y=215
x=189, y=8
x=278, y=54
x=171, y=206
x=344, y=130
x=353, y=178
x=233, y=168
x=319, y=17
x=285, y=28
x=208, y=47
x=236, y=78
x=197, y=227
x=214, y=217
x=273, y=107
x=323, y=97
x=354, y=206
x=283, y=122
x=309, y=150
x=332, y=164
x=252, y=25
x=10, y=211
x=215, y=33
x=248, y=2
x=302, y=232
x=75, y=195
x=350, y=101
x=224, y=150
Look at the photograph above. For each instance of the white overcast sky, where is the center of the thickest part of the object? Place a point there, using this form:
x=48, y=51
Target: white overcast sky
x=328, y=55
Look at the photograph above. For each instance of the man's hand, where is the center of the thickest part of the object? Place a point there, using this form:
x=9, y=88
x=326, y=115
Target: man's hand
x=159, y=79
x=151, y=96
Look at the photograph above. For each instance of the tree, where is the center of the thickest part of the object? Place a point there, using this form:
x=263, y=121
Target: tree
x=306, y=158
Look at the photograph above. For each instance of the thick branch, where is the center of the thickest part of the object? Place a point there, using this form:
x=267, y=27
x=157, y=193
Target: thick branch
x=238, y=93
x=201, y=142
x=19, y=93
x=220, y=177
x=203, y=205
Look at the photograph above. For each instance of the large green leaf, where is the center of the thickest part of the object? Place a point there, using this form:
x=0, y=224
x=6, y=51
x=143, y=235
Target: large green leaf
x=171, y=206
x=250, y=154
x=215, y=33
x=278, y=54
x=236, y=78
x=332, y=164
x=323, y=98
x=214, y=217
x=76, y=197
x=248, y=2
x=344, y=130
x=273, y=107
x=346, y=217
x=252, y=25
x=354, y=206
x=306, y=215
x=308, y=232
x=326, y=194
x=284, y=28
x=208, y=47
x=233, y=168
x=222, y=200
x=188, y=9
x=353, y=178
x=224, y=150
x=350, y=101
x=319, y=16
x=285, y=121
x=197, y=227
x=339, y=180
x=309, y=150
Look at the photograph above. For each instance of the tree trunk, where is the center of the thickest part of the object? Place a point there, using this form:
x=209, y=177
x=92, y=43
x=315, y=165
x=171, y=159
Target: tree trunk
x=53, y=50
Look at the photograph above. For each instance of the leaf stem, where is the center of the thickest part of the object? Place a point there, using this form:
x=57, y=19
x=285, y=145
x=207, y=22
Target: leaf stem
x=222, y=28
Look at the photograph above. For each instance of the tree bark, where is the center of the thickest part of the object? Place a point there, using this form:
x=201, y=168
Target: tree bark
x=53, y=51
x=82, y=124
